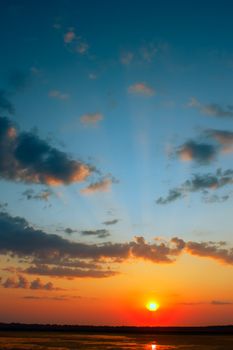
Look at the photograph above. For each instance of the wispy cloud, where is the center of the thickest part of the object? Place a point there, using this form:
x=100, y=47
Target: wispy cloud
x=91, y=119
x=43, y=195
x=69, y=36
x=201, y=183
x=102, y=233
x=221, y=302
x=223, y=137
x=212, y=109
x=141, y=88
x=126, y=57
x=103, y=185
x=57, y=94
x=111, y=222
x=149, y=51
x=75, y=43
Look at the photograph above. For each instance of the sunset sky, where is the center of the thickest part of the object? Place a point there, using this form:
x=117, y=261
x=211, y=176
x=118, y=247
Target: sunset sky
x=116, y=172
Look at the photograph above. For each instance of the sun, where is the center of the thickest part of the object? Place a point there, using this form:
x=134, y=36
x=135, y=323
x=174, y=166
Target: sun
x=152, y=306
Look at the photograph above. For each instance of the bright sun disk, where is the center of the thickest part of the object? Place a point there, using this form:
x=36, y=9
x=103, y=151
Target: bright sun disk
x=152, y=306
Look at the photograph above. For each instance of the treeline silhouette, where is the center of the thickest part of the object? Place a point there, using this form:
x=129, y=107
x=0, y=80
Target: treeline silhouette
x=22, y=327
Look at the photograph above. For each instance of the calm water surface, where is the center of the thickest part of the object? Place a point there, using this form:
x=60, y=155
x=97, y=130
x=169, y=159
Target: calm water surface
x=66, y=341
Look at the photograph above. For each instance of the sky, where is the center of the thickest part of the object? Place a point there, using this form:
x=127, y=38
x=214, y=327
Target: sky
x=116, y=143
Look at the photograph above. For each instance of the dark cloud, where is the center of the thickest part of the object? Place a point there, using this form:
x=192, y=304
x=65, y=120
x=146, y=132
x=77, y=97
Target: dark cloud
x=56, y=298
x=213, y=302
x=221, y=302
x=51, y=255
x=59, y=271
x=69, y=230
x=111, y=222
x=102, y=233
x=22, y=282
x=25, y=157
x=201, y=183
x=212, y=109
x=37, y=284
x=5, y=103
x=214, y=250
x=173, y=195
x=42, y=195
x=223, y=137
x=201, y=152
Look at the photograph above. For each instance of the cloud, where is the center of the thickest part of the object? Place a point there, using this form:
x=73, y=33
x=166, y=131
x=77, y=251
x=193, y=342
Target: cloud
x=58, y=95
x=81, y=47
x=67, y=272
x=5, y=104
x=22, y=282
x=69, y=36
x=69, y=230
x=173, y=195
x=75, y=43
x=111, y=222
x=215, y=198
x=213, y=302
x=212, y=109
x=212, y=250
x=37, y=284
x=92, y=76
x=221, y=302
x=43, y=195
x=103, y=185
x=24, y=157
x=141, y=89
x=201, y=183
x=201, y=152
x=91, y=119
x=148, y=52
x=56, y=298
x=51, y=255
x=98, y=233
x=223, y=137
x=126, y=58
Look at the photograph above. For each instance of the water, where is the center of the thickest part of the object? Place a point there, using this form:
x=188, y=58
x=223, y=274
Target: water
x=69, y=341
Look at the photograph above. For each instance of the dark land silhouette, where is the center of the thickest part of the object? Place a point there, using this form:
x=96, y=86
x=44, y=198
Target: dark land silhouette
x=205, y=330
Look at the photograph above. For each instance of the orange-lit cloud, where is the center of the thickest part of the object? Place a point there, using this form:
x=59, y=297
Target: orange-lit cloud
x=91, y=119
x=141, y=89
x=103, y=185
x=52, y=255
x=25, y=157
x=200, y=152
x=212, y=109
x=69, y=36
